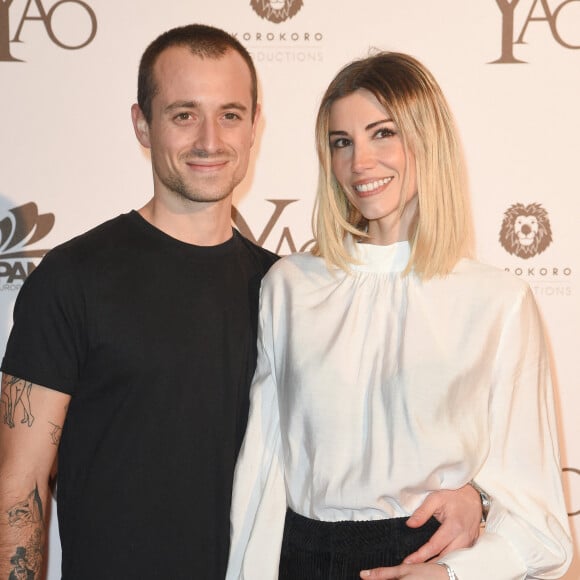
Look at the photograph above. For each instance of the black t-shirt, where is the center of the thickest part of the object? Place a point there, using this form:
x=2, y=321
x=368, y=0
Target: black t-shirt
x=155, y=341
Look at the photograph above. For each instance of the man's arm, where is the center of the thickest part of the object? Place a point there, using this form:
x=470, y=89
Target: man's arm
x=31, y=420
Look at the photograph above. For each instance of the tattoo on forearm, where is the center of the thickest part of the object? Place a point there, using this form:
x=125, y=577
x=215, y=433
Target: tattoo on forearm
x=26, y=561
x=27, y=512
x=16, y=396
x=55, y=433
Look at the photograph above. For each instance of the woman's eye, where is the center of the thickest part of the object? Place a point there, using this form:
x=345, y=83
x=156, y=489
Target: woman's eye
x=340, y=143
x=384, y=133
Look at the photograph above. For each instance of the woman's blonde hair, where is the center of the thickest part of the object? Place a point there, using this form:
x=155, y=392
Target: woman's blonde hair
x=443, y=231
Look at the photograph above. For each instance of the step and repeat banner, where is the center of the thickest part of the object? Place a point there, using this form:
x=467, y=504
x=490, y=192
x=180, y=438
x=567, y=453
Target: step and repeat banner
x=510, y=69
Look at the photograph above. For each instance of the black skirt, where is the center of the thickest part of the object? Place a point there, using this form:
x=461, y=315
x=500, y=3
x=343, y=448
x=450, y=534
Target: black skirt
x=313, y=550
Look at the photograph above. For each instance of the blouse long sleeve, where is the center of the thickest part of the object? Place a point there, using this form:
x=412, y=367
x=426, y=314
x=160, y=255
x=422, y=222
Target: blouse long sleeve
x=527, y=533
x=259, y=497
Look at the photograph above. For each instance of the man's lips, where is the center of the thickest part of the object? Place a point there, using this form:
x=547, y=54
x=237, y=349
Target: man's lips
x=207, y=165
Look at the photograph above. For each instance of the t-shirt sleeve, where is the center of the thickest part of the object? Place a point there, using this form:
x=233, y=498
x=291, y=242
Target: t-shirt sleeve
x=46, y=344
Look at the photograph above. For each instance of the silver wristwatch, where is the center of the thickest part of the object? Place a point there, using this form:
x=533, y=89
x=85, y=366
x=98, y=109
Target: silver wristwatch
x=485, y=500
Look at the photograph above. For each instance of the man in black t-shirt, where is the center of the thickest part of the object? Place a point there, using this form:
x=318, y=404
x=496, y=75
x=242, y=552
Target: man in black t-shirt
x=133, y=348
x=141, y=334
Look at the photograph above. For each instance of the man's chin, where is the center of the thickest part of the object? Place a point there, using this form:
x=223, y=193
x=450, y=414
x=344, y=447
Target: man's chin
x=199, y=194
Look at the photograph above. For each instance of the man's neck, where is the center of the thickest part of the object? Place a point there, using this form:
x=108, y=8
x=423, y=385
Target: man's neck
x=200, y=224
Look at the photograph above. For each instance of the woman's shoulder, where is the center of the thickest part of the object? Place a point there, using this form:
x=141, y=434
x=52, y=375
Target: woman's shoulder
x=486, y=279
x=478, y=269
x=296, y=265
x=296, y=275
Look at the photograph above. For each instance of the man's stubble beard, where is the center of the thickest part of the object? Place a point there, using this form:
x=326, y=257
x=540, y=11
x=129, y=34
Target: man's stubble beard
x=178, y=186
x=175, y=182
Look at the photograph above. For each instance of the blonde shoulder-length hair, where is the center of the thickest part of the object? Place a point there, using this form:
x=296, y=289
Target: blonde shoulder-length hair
x=442, y=232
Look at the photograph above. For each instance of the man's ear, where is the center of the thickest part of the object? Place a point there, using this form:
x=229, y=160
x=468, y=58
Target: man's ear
x=141, y=126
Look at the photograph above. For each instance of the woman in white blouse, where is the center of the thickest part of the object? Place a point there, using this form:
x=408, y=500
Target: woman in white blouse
x=392, y=365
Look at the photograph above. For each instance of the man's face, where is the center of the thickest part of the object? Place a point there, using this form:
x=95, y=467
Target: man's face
x=201, y=128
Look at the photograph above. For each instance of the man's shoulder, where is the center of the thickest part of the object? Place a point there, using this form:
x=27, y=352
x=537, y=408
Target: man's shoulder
x=66, y=259
x=97, y=234
x=261, y=255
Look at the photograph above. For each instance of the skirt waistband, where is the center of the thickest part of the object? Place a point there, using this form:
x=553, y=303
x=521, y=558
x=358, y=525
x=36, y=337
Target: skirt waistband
x=348, y=535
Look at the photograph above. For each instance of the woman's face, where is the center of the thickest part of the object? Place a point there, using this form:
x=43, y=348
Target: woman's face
x=369, y=162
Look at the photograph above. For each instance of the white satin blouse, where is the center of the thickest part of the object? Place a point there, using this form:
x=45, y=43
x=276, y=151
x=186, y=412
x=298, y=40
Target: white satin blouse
x=373, y=389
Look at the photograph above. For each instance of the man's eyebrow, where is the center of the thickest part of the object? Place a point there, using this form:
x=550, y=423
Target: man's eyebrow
x=234, y=105
x=181, y=105
x=195, y=104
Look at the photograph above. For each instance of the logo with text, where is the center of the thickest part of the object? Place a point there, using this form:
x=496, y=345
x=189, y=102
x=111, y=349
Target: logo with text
x=286, y=243
x=278, y=44
x=80, y=12
x=276, y=10
x=20, y=228
x=561, y=19
x=525, y=233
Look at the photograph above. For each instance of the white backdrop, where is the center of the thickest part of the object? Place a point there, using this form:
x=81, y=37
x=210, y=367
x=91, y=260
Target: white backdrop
x=510, y=69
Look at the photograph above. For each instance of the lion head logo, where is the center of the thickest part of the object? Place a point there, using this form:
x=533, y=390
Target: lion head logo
x=525, y=230
x=276, y=10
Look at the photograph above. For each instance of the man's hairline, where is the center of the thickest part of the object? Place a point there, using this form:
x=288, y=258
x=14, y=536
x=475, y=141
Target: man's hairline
x=203, y=55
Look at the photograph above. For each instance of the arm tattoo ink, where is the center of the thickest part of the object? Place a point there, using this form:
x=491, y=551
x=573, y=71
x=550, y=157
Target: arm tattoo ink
x=55, y=433
x=27, y=512
x=15, y=395
x=26, y=561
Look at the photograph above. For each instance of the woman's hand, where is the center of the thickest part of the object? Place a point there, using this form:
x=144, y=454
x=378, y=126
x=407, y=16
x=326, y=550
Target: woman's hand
x=407, y=572
x=459, y=513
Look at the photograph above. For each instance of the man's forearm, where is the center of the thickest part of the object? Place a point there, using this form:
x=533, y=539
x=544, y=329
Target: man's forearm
x=31, y=420
x=23, y=533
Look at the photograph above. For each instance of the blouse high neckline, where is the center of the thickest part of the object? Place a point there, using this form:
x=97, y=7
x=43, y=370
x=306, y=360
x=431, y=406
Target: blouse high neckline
x=376, y=258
